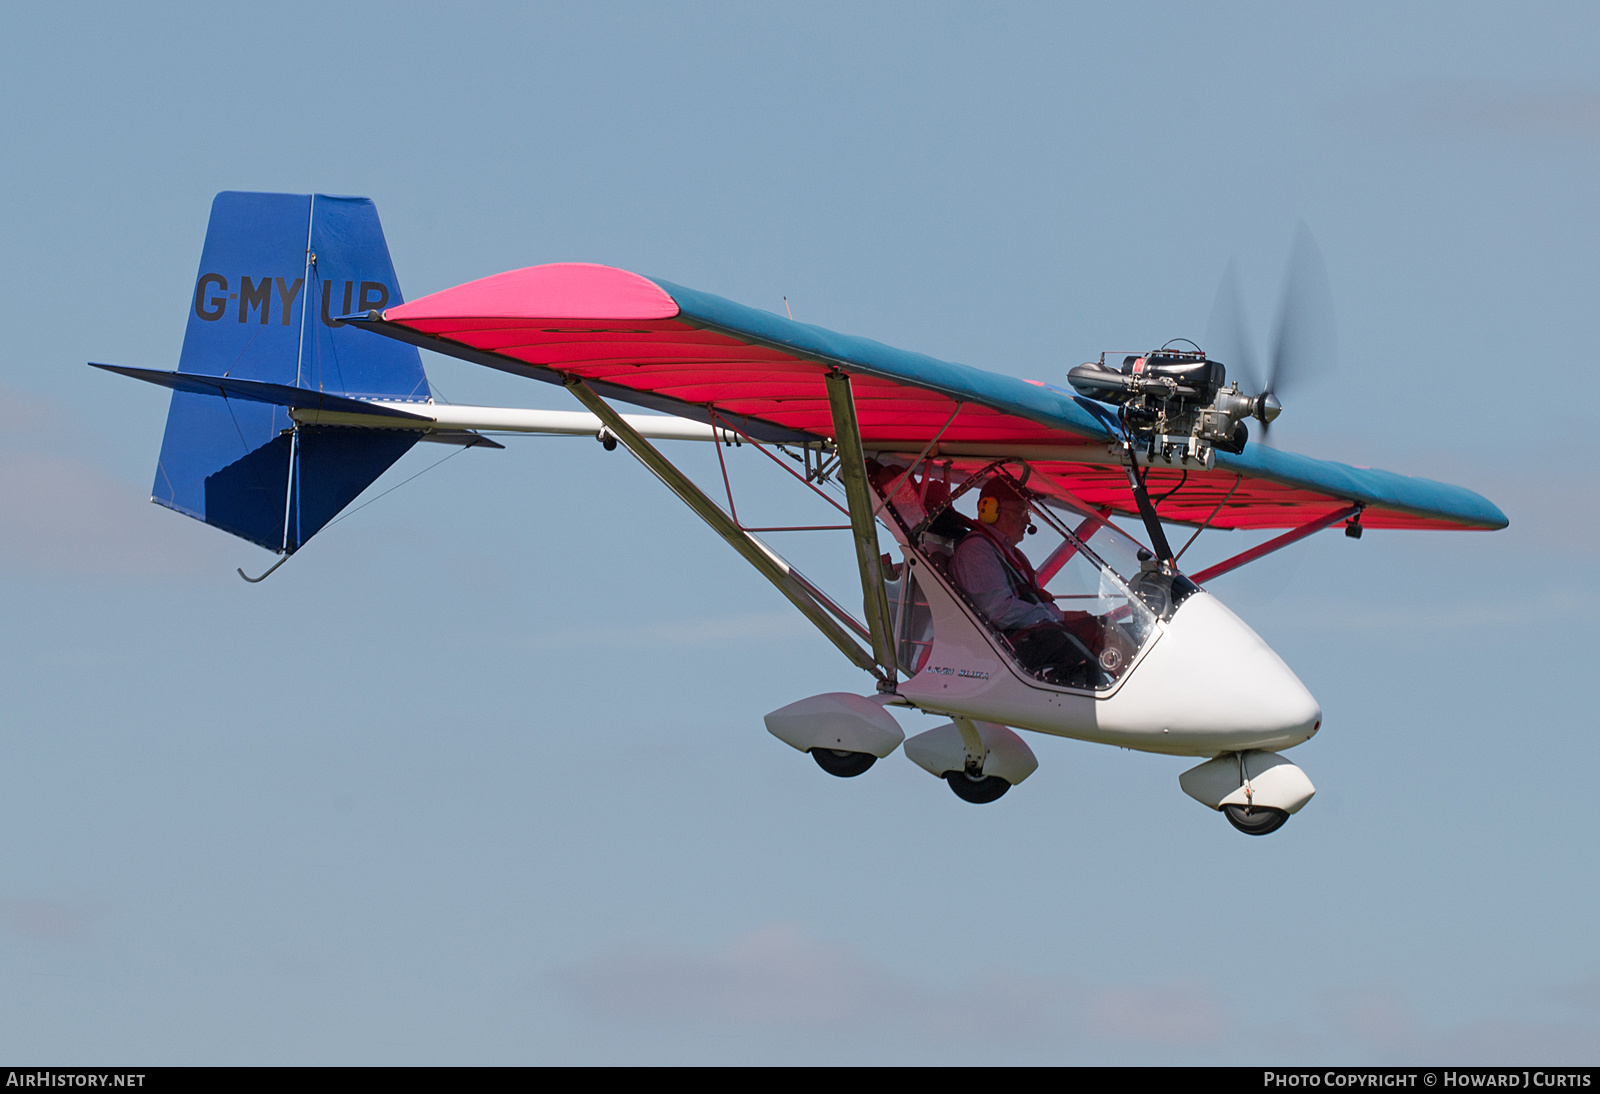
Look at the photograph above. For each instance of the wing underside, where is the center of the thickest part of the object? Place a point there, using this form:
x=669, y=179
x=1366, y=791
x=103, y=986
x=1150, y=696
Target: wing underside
x=659, y=345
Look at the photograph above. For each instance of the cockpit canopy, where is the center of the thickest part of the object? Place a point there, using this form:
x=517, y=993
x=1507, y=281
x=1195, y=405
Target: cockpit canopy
x=1073, y=603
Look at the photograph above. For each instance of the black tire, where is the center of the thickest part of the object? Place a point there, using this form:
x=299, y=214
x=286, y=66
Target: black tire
x=1256, y=820
x=977, y=789
x=846, y=765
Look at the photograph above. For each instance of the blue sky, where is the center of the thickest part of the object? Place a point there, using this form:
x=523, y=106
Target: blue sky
x=480, y=776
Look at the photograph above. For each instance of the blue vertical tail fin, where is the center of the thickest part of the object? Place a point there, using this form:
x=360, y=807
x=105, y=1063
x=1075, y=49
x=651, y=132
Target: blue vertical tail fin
x=275, y=272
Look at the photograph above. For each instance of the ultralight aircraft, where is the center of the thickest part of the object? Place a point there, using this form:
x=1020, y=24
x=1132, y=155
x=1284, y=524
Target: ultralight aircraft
x=1015, y=600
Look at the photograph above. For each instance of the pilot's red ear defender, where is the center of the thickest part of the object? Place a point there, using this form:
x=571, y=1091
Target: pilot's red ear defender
x=989, y=510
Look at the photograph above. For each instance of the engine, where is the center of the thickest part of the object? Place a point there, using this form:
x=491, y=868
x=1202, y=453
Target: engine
x=1178, y=402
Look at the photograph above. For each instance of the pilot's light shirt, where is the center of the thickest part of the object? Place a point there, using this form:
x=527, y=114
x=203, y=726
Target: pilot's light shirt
x=981, y=571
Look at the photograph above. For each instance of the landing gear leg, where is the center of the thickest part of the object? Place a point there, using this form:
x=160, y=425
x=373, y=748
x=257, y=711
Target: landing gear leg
x=1250, y=818
x=970, y=783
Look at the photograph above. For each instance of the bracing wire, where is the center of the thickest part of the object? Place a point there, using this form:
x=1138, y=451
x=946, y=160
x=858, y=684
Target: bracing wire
x=398, y=485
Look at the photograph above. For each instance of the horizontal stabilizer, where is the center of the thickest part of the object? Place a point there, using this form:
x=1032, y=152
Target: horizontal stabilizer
x=258, y=391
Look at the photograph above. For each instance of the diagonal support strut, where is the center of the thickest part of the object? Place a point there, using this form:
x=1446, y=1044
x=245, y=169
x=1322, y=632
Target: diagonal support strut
x=1292, y=536
x=863, y=525
x=758, y=554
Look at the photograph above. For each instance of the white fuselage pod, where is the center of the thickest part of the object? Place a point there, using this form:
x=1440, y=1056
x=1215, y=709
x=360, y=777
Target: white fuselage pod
x=1205, y=683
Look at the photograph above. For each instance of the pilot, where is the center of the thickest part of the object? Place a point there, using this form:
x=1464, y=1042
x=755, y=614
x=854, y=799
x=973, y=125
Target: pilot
x=1003, y=586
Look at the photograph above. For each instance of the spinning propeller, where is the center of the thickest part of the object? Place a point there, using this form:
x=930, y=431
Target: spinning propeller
x=1304, y=345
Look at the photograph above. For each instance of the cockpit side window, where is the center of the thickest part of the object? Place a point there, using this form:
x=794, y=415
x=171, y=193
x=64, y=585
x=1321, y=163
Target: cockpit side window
x=912, y=620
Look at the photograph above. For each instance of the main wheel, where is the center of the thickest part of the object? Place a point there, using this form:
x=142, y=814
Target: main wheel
x=977, y=789
x=846, y=765
x=1255, y=820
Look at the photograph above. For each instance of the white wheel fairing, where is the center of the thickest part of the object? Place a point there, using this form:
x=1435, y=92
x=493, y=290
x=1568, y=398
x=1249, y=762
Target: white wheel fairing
x=1261, y=779
x=941, y=749
x=837, y=720
x=1206, y=683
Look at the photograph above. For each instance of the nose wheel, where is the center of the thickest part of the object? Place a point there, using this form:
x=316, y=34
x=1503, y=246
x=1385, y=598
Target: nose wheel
x=1255, y=820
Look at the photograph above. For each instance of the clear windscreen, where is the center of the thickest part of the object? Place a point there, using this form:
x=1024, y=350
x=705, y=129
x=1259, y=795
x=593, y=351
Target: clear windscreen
x=1087, y=566
x=1159, y=592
